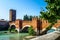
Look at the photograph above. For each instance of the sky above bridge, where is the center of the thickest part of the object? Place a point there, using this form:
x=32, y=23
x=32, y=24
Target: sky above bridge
x=23, y=7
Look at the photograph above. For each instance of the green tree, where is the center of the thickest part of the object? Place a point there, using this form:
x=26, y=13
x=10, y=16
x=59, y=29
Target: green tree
x=31, y=31
x=11, y=29
x=30, y=17
x=26, y=17
x=53, y=12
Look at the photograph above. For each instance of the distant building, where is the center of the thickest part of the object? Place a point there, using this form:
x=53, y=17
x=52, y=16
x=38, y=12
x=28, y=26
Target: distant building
x=4, y=25
x=3, y=22
x=12, y=15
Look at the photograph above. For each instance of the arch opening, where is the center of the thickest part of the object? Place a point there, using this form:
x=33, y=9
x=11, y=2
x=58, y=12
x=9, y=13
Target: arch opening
x=25, y=29
x=12, y=28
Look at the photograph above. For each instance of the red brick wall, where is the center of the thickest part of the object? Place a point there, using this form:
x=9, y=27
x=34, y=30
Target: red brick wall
x=57, y=24
x=24, y=23
x=18, y=24
x=46, y=24
x=31, y=23
x=36, y=23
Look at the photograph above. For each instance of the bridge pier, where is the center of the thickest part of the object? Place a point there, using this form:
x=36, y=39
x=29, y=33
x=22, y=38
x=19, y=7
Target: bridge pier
x=18, y=30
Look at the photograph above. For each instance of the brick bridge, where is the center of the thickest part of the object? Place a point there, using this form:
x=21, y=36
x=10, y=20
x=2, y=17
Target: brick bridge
x=37, y=24
x=19, y=24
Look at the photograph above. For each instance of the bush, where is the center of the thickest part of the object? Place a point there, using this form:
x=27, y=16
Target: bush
x=12, y=30
x=9, y=29
x=31, y=31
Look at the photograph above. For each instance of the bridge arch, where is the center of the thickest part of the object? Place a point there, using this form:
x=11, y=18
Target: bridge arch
x=26, y=26
x=25, y=29
x=12, y=26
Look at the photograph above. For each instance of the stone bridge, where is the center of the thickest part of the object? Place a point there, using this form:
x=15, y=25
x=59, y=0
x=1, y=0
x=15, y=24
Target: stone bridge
x=20, y=24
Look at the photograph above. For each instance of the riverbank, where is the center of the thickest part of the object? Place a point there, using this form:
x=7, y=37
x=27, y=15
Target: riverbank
x=50, y=36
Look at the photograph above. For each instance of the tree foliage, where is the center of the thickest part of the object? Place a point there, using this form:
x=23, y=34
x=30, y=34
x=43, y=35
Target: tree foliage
x=53, y=12
x=31, y=31
x=47, y=16
x=26, y=17
x=12, y=28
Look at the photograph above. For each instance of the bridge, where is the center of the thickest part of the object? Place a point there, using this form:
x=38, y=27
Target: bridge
x=20, y=24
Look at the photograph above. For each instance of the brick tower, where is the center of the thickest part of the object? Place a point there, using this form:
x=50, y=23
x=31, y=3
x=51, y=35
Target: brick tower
x=12, y=15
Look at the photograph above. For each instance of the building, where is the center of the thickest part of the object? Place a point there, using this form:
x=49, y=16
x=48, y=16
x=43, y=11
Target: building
x=4, y=24
x=12, y=15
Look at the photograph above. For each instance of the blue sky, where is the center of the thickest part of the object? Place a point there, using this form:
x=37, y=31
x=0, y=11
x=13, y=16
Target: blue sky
x=23, y=7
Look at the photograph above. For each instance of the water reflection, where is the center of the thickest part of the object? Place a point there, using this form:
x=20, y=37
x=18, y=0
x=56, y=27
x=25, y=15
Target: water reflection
x=12, y=37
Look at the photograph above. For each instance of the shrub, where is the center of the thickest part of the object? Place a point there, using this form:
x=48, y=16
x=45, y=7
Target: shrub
x=31, y=31
x=11, y=30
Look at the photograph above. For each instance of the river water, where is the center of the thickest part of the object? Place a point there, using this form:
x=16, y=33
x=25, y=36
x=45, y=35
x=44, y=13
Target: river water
x=17, y=36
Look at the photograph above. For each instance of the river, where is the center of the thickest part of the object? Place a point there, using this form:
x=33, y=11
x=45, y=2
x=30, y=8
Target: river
x=12, y=36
